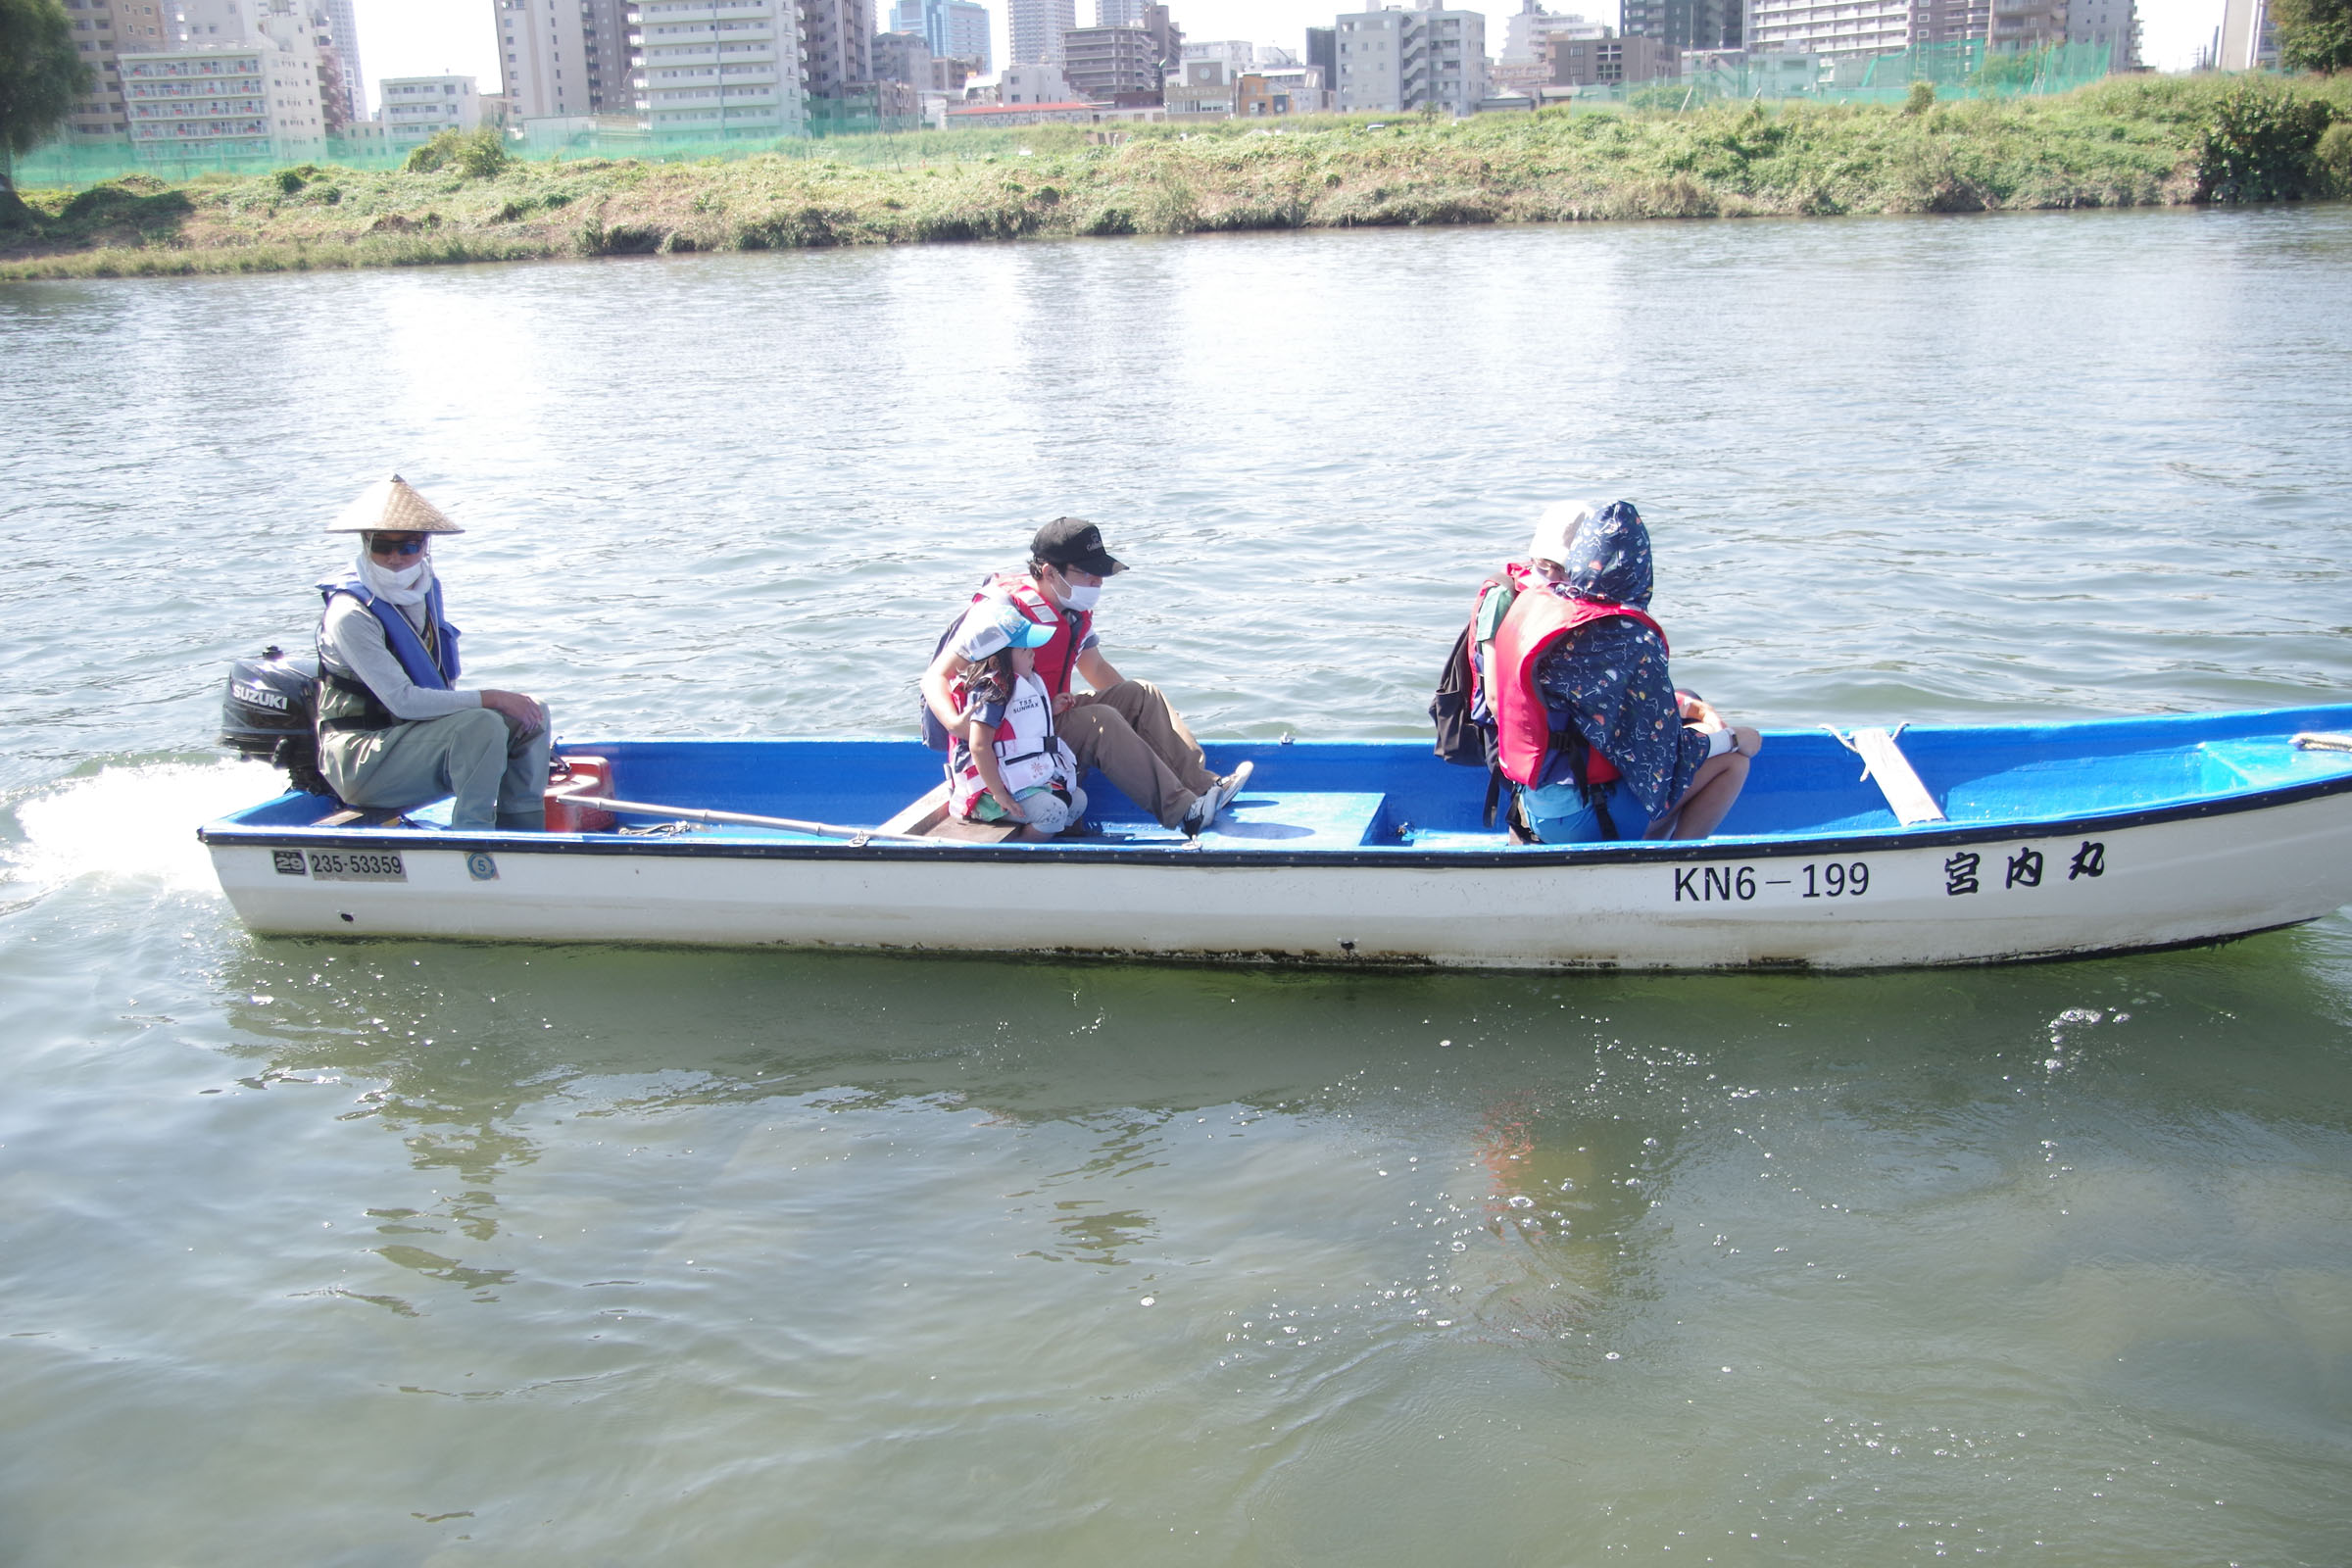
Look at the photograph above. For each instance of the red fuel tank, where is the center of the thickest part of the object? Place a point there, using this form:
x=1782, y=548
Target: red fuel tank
x=578, y=775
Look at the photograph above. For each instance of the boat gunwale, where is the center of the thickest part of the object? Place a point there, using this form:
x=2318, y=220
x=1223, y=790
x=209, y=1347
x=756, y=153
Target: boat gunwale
x=224, y=833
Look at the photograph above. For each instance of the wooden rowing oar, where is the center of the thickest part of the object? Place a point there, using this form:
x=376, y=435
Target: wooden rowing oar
x=690, y=813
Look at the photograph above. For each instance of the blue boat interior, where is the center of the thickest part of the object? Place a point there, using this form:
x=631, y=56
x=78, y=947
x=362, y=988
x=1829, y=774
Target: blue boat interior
x=1358, y=795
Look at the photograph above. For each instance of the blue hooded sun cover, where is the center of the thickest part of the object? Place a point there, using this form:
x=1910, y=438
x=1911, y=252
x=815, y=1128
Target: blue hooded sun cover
x=1609, y=677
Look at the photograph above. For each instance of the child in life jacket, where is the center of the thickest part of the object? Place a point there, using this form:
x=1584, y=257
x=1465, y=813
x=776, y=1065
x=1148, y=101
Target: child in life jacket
x=1007, y=762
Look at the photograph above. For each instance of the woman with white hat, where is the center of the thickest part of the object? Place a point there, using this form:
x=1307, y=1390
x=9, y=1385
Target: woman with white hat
x=394, y=729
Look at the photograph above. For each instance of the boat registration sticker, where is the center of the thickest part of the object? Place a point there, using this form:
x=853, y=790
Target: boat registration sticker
x=357, y=865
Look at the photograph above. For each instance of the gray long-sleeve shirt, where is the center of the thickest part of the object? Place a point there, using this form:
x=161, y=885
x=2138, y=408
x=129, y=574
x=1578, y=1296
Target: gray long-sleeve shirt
x=352, y=643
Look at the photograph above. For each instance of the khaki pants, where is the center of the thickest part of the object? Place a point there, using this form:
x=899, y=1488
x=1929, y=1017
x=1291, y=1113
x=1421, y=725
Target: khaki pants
x=1132, y=734
x=499, y=778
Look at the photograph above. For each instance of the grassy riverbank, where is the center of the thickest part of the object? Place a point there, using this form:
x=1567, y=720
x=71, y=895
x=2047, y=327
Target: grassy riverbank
x=2137, y=141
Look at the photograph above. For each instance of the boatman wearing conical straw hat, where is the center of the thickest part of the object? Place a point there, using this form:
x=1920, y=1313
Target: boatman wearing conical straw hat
x=395, y=731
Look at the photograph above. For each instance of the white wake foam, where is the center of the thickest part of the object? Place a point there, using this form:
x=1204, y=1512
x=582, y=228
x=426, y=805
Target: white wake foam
x=136, y=822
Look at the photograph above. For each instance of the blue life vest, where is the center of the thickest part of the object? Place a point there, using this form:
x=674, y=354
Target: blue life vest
x=345, y=704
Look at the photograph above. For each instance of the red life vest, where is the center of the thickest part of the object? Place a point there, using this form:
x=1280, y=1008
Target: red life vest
x=1520, y=578
x=1522, y=724
x=1058, y=658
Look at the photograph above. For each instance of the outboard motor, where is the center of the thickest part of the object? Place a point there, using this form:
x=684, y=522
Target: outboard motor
x=270, y=711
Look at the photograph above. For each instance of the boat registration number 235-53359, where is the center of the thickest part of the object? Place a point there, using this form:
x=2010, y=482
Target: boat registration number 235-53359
x=341, y=866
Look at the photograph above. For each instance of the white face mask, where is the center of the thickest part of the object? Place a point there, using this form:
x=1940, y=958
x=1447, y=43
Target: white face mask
x=403, y=585
x=1077, y=596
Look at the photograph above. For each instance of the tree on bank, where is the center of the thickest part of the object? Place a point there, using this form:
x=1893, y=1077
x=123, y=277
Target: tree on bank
x=41, y=73
x=2314, y=34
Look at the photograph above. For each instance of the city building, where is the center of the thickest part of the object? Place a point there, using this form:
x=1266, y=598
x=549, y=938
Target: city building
x=2114, y=24
x=1236, y=55
x=1750, y=74
x=1201, y=89
x=952, y=30
x=254, y=97
x=336, y=91
x=2021, y=24
x=994, y=116
x=1112, y=64
x=1680, y=24
x=1323, y=53
x=902, y=57
x=1036, y=84
x=837, y=43
x=1836, y=29
x=104, y=30
x=1166, y=36
x=1118, y=13
x=1036, y=28
x=1393, y=59
x=1525, y=64
x=1949, y=22
x=2246, y=41
x=1279, y=90
x=419, y=108
x=342, y=29
x=719, y=68
x=1527, y=31
x=1600, y=62
x=565, y=58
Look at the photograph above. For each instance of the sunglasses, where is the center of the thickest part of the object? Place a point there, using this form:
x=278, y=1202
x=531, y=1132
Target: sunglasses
x=381, y=545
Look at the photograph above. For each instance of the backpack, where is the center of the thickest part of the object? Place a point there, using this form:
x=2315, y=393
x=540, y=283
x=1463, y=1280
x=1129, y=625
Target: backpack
x=1461, y=737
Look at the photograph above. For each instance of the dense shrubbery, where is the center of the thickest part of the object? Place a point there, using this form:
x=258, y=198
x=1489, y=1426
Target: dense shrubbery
x=2261, y=143
x=475, y=154
x=2314, y=34
x=2131, y=142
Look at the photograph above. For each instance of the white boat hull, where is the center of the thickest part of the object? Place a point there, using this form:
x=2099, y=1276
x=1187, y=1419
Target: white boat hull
x=2074, y=888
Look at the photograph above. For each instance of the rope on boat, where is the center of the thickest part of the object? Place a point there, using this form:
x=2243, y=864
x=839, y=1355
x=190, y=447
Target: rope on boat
x=856, y=836
x=2321, y=740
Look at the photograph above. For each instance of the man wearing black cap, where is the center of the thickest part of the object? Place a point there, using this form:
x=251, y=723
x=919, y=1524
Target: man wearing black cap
x=1123, y=727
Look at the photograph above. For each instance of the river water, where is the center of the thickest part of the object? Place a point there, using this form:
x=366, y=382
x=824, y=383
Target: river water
x=406, y=1252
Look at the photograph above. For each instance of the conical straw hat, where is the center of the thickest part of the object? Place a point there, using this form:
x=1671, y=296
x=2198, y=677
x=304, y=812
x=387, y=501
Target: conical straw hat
x=392, y=506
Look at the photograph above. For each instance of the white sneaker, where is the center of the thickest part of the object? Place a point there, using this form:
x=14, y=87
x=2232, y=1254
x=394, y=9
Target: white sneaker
x=1204, y=810
x=1233, y=783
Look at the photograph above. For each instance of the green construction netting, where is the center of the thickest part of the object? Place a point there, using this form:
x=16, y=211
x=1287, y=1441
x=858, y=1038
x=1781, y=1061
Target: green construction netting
x=1955, y=71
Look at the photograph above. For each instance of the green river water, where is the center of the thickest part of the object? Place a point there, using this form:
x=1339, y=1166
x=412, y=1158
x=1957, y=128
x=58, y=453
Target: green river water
x=414, y=1252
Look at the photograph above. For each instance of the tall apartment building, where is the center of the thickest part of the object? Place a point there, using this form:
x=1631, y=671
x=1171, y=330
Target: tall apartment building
x=1391, y=61
x=1118, y=13
x=336, y=88
x=1117, y=65
x=420, y=108
x=1035, y=27
x=251, y=96
x=566, y=57
x=1837, y=28
x=719, y=68
x=343, y=32
x=2027, y=24
x=837, y=41
x=1942, y=22
x=1680, y=24
x=2113, y=23
x=2246, y=40
x=103, y=31
x=954, y=30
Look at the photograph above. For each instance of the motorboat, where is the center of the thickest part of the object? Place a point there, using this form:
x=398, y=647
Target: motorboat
x=1870, y=848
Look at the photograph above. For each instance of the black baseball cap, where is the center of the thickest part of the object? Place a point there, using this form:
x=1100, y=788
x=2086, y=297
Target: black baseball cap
x=1074, y=541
